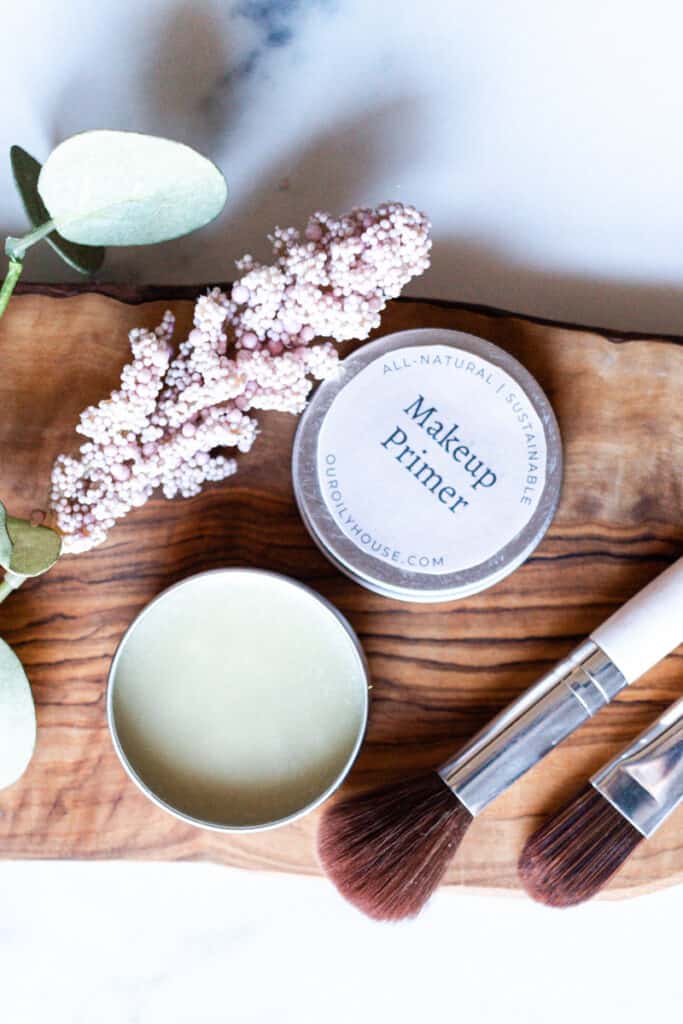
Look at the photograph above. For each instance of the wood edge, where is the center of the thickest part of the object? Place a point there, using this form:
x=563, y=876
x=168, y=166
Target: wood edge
x=138, y=294
x=613, y=893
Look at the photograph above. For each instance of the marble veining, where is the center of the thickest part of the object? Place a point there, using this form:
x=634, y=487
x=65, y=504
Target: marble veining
x=274, y=24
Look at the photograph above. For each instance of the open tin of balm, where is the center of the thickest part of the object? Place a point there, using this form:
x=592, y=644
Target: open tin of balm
x=238, y=699
x=430, y=467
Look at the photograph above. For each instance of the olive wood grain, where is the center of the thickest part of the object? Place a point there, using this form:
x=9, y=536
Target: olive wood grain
x=439, y=671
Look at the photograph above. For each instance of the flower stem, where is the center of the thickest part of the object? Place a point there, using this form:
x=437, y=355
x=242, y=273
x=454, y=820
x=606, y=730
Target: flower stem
x=11, y=278
x=16, y=248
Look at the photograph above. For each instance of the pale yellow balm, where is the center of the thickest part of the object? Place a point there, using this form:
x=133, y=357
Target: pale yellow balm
x=238, y=698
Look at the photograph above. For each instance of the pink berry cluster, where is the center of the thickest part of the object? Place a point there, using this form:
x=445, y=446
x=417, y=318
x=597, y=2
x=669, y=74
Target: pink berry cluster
x=172, y=418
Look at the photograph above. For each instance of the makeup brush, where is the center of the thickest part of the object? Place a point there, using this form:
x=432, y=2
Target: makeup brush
x=572, y=856
x=386, y=850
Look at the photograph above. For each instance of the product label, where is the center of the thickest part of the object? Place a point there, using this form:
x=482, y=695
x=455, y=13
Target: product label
x=432, y=459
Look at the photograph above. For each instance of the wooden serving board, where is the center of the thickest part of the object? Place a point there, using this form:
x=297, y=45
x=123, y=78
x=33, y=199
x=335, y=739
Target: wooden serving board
x=439, y=672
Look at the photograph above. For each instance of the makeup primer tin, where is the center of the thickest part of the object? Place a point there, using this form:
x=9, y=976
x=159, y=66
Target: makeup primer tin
x=429, y=467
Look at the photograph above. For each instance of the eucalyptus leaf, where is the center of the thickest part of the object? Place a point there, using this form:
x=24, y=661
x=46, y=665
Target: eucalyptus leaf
x=17, y=718
x=26, y=170
x=5, y=539
x=122, y=188
x=35, y=549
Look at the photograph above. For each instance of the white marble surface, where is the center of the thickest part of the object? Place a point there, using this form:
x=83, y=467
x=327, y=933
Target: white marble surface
x=544, y=140
x=196, y=944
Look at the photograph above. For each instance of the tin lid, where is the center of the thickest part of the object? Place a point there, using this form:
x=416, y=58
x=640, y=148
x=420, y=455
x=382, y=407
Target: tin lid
x=429, y=467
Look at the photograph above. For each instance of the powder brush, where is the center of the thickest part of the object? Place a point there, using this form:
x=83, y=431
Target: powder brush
x=386, y=850
x=575, y=853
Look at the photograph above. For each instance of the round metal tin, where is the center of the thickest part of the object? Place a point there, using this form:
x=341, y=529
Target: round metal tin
x=217, y=826
x=396, y=581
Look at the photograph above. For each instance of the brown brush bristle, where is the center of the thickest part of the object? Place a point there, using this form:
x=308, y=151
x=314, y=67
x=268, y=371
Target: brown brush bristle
x=387, y=850
x=572, y=856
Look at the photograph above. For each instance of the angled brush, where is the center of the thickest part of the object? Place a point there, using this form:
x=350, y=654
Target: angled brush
x=576, y=852
x=387, y=850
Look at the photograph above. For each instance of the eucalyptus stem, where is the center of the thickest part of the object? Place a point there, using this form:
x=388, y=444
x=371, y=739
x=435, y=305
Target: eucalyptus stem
x=8, y=285
x=16, y=248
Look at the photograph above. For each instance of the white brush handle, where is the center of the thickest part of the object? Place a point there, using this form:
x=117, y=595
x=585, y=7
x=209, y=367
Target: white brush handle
x=628, y=644
x=646, y=628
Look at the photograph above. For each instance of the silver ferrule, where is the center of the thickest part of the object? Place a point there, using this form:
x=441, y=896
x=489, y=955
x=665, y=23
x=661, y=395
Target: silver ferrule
x=645, y=781
x=533, y=725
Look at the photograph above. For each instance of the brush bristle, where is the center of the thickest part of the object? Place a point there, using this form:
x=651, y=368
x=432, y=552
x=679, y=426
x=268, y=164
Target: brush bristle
x=387, y=850
x=575, y=853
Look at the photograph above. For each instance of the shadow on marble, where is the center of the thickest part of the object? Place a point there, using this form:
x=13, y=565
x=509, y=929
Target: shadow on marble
x=167, y=93
x=342, y=167
x=467, y=270
x=177, y=88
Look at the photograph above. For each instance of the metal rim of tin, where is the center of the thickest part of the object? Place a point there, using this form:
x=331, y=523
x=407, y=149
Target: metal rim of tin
x=371, y=572
x=294, y=815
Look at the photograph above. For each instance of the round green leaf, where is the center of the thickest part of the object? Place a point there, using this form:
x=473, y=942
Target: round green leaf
x=35, y=549
x=26, y=170
x=17, y=718
x=122, y=188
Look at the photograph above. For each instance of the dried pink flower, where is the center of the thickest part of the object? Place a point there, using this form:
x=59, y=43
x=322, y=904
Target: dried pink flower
x=167, y=425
